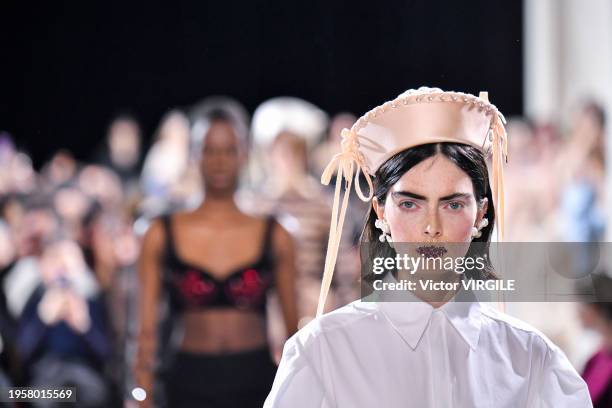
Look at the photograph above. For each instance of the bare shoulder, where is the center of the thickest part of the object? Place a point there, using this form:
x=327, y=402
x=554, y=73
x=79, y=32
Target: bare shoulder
x=279, y=231
x=153, y=243
x=183, y=217
x=154, y=235
x=282, y=241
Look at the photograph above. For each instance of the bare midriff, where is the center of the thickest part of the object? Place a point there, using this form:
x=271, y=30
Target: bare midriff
x=222, y=330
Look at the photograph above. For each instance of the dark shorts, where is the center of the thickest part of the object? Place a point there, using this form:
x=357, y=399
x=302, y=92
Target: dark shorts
x=241, y=379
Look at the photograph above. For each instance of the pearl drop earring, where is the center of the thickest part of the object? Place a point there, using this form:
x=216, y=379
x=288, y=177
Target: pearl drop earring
x=476, y=232
x=384, y=227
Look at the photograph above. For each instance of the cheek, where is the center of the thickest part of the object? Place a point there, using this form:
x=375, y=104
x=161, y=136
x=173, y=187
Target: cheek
x=458, y=226
x=203, y=166
x=405, y=225
x=234, y=165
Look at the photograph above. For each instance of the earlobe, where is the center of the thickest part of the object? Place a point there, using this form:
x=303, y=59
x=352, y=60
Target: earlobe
x=481, y=219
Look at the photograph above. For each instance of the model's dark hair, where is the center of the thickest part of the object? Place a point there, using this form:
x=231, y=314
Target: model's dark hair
x=469, y=159
x=220, y=115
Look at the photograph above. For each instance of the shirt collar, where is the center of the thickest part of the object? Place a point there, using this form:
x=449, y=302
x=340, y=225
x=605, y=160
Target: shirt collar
x=410, y=317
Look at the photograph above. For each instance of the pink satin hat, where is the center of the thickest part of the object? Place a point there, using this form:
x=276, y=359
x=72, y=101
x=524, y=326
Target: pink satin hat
x=416, y=117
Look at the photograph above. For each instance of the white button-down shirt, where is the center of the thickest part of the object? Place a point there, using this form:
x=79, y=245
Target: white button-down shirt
x=409, y=354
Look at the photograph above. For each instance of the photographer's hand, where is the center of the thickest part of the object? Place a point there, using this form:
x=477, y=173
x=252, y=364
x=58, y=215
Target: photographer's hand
x=53, y=306
x=77, y=313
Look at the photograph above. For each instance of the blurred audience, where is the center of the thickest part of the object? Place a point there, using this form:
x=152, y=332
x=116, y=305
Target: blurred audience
x=71, y=234
x=166, y=164
x=286, y=145
x=598, y=317
x=581, y=165
x=62, y=336
x=122, y=152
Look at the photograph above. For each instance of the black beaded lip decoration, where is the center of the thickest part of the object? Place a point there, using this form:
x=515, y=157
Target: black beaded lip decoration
x=431, y=251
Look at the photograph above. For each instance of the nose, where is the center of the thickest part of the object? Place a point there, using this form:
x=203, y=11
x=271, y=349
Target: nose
x=433, y=228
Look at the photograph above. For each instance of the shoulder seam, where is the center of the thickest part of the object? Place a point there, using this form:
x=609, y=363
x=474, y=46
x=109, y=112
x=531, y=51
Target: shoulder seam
x=530, y=330
x=319, y=330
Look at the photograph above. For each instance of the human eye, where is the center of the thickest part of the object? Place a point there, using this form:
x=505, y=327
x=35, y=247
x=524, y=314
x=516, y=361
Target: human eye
x=456, y=205
x=408, y=204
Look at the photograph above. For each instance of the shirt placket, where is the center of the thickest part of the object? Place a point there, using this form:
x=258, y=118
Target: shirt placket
x=441, y=384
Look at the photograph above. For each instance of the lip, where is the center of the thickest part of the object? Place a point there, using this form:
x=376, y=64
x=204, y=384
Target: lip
x=220, y=176
x=431, y=251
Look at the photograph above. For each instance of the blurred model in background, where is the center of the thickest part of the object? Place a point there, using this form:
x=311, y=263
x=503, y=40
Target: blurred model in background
x=216, y=266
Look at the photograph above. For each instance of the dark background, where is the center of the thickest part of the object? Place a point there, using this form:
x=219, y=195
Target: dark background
x=67, y=69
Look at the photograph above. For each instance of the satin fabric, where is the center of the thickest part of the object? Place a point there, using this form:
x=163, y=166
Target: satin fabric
x=427, y=115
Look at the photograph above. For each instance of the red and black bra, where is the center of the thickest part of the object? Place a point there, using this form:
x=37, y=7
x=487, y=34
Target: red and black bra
x=190, y=286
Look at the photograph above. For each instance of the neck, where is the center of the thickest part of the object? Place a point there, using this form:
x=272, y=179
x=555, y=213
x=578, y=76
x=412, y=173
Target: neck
x=218, y=203
x=435, y=297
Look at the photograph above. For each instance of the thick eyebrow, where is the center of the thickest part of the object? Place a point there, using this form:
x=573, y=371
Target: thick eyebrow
x=409, y=194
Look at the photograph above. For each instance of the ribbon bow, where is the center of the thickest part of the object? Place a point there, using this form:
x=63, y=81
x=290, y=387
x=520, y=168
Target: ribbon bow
x=345, y=163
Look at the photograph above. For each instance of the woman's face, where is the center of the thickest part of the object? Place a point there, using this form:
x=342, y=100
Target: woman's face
x=222, y=157
x=62, y=262
x=433, y=202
